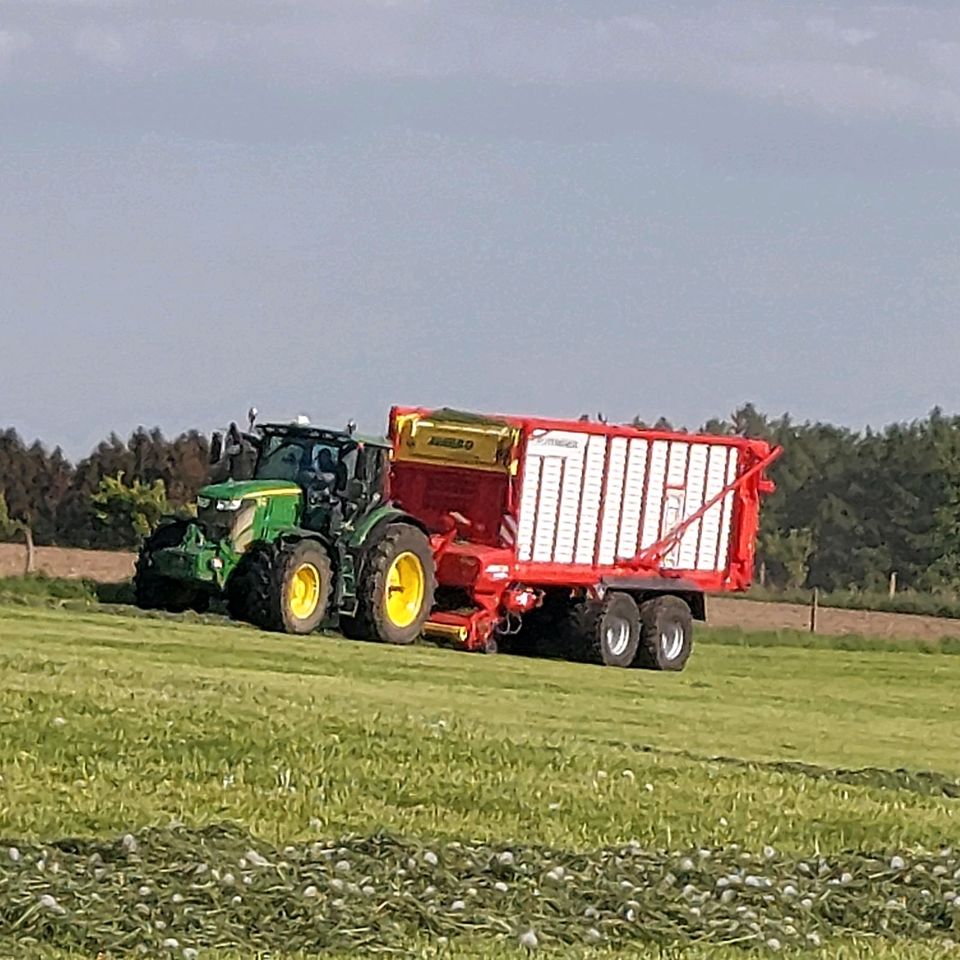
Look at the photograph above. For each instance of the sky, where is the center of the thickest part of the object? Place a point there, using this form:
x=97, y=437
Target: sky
x=331, y=206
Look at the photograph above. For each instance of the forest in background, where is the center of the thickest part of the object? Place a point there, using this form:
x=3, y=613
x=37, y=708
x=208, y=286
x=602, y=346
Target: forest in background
x=850, y=509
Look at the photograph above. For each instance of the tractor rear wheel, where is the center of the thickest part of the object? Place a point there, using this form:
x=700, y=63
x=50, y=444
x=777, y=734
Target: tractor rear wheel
x=151, y=590
x=606, y=631
x=666, y=634
x=396, y=589
x=284, y=588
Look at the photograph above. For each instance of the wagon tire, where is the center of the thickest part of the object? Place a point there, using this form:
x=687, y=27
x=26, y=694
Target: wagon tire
x=605, y=632
x=666, y=634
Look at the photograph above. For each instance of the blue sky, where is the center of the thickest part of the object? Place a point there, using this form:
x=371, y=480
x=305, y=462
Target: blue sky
x=329, y=207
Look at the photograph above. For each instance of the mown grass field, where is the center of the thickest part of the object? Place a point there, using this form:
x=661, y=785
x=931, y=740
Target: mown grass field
x=626, y=802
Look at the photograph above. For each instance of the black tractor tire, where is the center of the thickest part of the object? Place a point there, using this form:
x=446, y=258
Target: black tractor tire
x=265, y=590
x=240, y=586
x=151, y=590
x=605, y=631
x=666, y=634
x=373, y=620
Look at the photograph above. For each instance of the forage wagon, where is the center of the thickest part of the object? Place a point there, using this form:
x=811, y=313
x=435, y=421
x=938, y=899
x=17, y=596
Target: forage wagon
x=577, y=538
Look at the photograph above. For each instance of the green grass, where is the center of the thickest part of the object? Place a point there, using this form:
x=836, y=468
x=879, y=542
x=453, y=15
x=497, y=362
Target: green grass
x=112, y=724
x=805, y=640
x=40, y=586
x=40, y=589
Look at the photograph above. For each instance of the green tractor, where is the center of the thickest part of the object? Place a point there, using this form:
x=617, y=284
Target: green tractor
x=299, y=535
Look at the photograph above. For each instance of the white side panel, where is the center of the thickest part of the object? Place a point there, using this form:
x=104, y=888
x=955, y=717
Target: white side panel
x=586, y=496
x=528, y=506
x=551, y=455
x=569, y=510
x=590, y=507
x=546, y=527
x=659, y=450
x=632, y=499
x=710, y=537
x=677, y=469
x=557, y=443
x=613, y=499
x=727, y=520
x=675, y=496
x=696, y=483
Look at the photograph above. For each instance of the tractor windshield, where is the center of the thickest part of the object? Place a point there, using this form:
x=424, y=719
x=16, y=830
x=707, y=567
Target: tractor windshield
x=304, y=460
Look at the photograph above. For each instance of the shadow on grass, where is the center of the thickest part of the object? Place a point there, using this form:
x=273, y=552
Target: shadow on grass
x=927, y=783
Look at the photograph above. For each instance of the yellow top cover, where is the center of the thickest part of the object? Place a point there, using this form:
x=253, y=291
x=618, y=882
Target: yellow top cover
x=444, y=438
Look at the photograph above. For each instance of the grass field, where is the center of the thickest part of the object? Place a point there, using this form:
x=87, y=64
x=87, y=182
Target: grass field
x=224, y=790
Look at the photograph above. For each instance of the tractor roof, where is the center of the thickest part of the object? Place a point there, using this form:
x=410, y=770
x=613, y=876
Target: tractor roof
x=318, y=433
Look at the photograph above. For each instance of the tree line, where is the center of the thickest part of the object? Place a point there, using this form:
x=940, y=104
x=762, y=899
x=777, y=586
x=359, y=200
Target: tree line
x=108, y=500
x=851, y=507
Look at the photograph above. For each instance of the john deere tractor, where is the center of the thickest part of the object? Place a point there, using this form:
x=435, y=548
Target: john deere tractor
x=300, y=535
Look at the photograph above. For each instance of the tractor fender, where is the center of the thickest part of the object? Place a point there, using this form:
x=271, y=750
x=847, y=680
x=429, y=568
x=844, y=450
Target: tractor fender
x=372, y=527
x=297, y=534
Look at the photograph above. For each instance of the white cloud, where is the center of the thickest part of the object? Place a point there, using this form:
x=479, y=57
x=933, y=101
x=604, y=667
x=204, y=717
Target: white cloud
x=854, y=36
x=13, y=42
x=102, y=46
x=828, y=29
x=944, y=57
x=872, y=61
x=846, y=90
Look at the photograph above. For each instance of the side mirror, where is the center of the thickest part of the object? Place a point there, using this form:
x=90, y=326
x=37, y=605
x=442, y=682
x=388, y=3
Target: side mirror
x=356, y=490
x=216, y=448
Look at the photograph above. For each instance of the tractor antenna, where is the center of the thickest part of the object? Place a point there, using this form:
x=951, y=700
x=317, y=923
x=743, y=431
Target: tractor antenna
x=351, y=427
x=601, y=418
x=252, y=417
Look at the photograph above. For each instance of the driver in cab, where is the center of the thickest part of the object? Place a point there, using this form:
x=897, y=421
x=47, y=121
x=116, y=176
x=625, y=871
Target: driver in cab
x=325, y=469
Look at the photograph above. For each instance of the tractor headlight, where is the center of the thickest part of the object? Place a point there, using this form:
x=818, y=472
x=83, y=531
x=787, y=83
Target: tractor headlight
x=203, y=503
x=229, y=505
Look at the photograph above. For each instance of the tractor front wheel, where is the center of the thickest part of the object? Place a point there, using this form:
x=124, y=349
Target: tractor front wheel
x=284, y=588
x=396, y=589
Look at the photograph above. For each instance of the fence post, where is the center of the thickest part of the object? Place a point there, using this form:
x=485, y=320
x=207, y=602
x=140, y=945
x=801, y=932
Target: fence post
x=763, y=573
x=893, y=583
x=814, y=608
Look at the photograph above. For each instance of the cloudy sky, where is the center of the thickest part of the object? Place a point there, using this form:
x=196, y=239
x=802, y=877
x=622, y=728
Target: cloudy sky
x=516, y=205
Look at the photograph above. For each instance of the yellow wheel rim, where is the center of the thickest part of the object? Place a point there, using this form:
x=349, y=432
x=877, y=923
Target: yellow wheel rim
x=406, y=585
x=304, y=594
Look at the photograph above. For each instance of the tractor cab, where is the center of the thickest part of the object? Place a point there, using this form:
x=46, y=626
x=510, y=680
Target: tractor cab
x=340, y=475
x=337, y=472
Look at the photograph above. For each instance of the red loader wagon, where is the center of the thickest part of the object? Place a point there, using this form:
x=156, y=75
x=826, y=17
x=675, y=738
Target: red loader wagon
x=577, y=539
